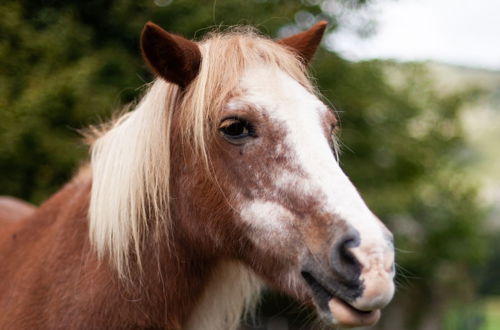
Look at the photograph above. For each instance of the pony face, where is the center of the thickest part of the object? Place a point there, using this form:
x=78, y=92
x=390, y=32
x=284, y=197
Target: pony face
x=259, y=178
x=277, y=161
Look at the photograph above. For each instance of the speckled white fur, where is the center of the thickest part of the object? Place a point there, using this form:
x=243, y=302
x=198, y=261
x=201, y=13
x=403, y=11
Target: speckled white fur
x=265, y=214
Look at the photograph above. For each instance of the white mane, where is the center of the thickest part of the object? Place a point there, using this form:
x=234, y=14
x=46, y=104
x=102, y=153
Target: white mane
x=130, y=170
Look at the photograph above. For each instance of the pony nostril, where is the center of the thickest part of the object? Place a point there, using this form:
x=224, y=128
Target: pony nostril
x=345, y=252
x=344, y=264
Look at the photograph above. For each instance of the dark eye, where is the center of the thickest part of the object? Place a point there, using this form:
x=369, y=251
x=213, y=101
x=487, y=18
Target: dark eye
x=236, y=130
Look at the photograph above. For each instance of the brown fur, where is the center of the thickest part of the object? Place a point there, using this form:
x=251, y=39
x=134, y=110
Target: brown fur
x=172, y=57
x=51, y=278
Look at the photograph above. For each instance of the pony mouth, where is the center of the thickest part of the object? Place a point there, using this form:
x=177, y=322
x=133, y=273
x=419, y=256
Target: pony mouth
x=336, y=309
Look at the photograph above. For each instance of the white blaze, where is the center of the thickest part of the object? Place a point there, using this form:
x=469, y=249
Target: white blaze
x=287, y=102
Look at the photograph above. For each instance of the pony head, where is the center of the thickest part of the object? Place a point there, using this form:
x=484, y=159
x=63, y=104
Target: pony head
x=233, y=148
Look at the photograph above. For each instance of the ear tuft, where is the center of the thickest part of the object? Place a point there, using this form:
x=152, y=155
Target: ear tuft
x=170, y=56
x=305, y=43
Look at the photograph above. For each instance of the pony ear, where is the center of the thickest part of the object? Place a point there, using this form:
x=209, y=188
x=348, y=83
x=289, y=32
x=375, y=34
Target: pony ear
x=305, y=43
x=170, y=56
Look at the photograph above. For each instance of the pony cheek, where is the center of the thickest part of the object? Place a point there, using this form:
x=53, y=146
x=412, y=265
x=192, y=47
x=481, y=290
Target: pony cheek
x=266, y=220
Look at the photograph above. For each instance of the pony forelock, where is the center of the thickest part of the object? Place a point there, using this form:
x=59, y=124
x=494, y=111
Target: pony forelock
x=131, y=160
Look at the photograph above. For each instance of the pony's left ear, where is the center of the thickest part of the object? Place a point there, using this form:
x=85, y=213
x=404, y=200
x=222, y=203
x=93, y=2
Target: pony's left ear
x=305, y=43
x=170, y=56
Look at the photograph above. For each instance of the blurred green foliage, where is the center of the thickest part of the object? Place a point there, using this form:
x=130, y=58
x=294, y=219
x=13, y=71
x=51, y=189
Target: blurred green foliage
x=67, y=64
x=405, y=151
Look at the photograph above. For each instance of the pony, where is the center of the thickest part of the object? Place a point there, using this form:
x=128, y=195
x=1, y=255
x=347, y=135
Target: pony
x=223, y=179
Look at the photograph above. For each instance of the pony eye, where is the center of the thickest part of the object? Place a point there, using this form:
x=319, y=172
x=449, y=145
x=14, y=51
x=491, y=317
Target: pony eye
x=236, y=130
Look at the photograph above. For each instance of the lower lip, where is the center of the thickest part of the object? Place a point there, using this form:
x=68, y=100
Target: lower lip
x=347, y=316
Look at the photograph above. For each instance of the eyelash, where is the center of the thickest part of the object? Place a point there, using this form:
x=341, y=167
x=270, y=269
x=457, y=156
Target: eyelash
x=334, y=142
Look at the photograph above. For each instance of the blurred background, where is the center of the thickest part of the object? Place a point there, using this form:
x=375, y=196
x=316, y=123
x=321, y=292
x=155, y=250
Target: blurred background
x=416, y=85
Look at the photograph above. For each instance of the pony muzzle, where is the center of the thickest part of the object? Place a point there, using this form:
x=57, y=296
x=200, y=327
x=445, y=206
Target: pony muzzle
x=378, y=290
x=376, y=262
x=377, y=275
x=359, y=281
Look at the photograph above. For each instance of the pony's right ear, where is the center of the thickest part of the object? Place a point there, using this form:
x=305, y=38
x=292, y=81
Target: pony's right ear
x=172, y=57
x=304, y=44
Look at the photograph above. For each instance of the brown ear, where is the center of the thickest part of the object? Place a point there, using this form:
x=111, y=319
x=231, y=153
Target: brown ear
x=172, y=57
x=305, y=43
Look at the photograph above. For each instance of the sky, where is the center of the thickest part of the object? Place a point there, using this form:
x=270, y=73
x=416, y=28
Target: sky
x=461, y=32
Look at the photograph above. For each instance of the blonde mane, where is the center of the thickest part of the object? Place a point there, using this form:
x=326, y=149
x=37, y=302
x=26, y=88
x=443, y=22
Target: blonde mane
x=131, y=160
